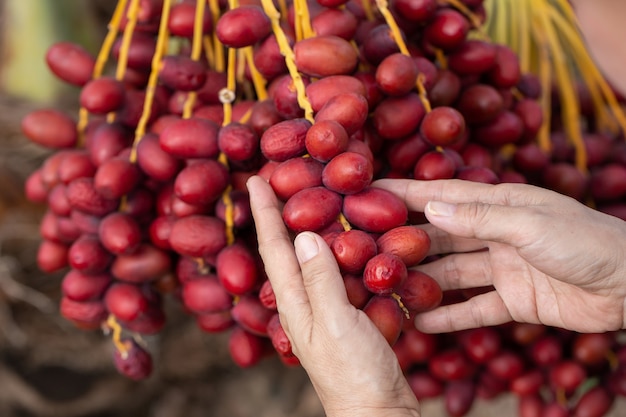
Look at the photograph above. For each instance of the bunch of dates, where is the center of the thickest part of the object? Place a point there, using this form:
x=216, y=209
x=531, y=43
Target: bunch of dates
x=146, y=188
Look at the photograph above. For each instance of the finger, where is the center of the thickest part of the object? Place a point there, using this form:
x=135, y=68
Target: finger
x=416, y=194
x=459, y=271
x=442, y=242
x=276, y=249
x=321, y=277
x=517, y=226
x=482, y=310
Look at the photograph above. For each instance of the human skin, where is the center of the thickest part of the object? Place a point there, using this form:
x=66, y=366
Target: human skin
x=351, y=366
x=551, y=259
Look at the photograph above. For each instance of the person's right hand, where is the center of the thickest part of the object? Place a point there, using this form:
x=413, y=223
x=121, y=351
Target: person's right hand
x=551, y=259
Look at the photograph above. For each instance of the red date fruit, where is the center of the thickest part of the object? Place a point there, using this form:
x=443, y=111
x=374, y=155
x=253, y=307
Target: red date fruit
x=198, y=236
x=356, y=292
x=50, y=128
x=116, y=178
x=238, y=142
x=375, y=210
x=182, y=20
x=567, y=375
x=410, y=243
x=202, y=182
x=146, y=263
x=215, y=322
x=480, y=103
x=386, y=315
x=250, y=314
x=450, y=365
x=126, y=301
x=506, y=365
x=424, y=385
x=594, y=403
x=482, y=344
x=277, y=335
x=592, y=348
x=52, y=256
x=459, y=397
x=397, y=117
x=326, y=139
x=71, y=63
x=505, y=128
x=182, y=73
x=237, y=269
x=285, y=140
x=311, y=209
x=243, y=26
x=323, y=56
x=321, y=91
x=154, y=161
x=350, y=110
x=245, y=348
x=528, y=383
x=384, y=273
x=206, y=295
x=86, y=315
x=294, y=175
x=88, y=256
x=348, y=173
x=420, y=11
x=472, y=57
x=420, y=292
x=119, y=233
x=447, y=29
x=134, y=362
x=102, y=95
x=191, y=138
x=352, y=249
x=267, y=296
x=396, y=75
x=506, y=72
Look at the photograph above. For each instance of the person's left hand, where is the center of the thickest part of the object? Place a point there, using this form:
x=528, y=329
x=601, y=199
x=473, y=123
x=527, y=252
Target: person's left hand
x=351, y=366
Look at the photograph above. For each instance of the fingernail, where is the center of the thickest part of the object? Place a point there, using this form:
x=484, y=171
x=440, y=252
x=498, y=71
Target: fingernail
x=306, y=247
x=439, y=208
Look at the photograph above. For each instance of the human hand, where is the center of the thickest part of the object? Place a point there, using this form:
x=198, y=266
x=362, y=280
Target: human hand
x=551, y=259
x=351, y=366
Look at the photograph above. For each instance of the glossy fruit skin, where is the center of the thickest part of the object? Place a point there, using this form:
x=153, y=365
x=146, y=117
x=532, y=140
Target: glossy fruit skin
x=374, y=210
x=311, y=209
x=243, y=26
x=384, y=273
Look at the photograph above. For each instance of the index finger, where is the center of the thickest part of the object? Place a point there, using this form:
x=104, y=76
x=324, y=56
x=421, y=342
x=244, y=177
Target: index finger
x=416, y=194
x=275, y=247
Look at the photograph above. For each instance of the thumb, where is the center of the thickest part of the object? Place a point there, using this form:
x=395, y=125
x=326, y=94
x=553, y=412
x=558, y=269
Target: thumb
x=492, y=222
x=322, y=280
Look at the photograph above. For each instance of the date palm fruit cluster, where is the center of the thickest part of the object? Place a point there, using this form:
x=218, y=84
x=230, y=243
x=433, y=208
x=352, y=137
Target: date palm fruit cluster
x=187, y=99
